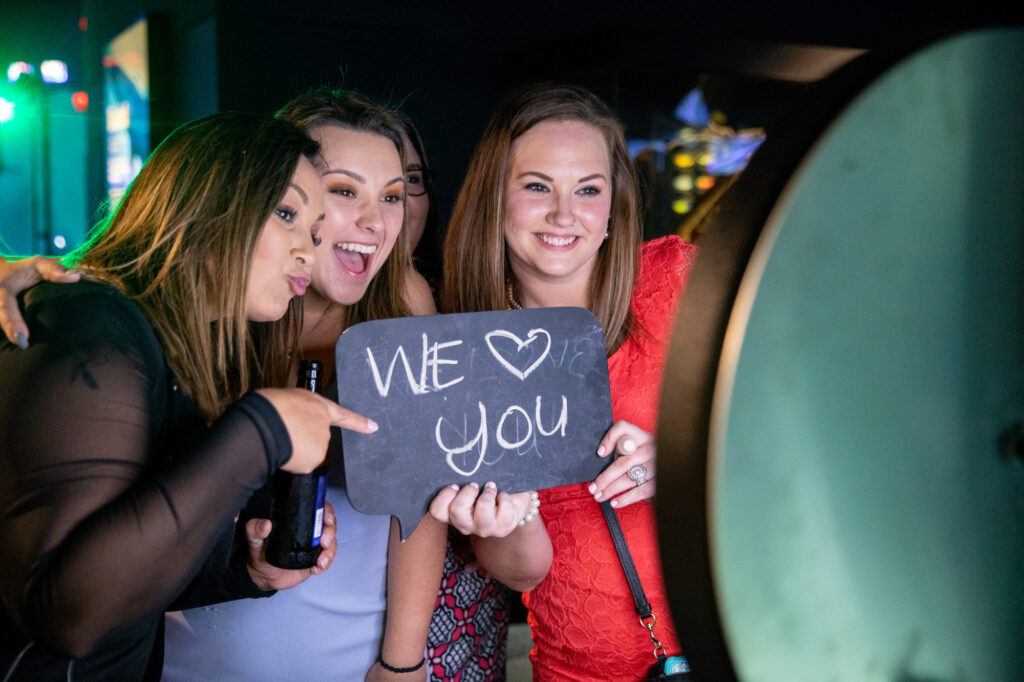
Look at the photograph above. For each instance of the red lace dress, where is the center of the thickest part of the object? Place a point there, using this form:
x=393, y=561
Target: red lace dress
x=581, y=617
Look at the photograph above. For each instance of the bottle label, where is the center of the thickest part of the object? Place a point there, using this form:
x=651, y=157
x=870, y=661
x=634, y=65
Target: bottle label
x=321, y=496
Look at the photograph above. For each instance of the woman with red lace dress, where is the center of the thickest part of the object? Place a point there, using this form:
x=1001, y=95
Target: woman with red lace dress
x=549, y=216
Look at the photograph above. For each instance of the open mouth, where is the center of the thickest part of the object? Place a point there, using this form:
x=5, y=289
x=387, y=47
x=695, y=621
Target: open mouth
x=354, y=257
x=551, y=240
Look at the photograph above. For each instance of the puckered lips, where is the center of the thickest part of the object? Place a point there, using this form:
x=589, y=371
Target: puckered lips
x=354, y=257
x=299, y=283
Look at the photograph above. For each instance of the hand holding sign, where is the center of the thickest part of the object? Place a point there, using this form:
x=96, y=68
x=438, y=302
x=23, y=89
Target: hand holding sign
x=630, y=477
x=485, y=513
x=520, y=398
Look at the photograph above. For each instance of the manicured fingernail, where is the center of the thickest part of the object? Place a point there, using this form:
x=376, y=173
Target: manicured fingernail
x=598, y=495
x=600, y=451
x=474, y=484
x=322, y=563
x=614, y=503
x=627, y=445
x=591, y=488
x=454, y=486
x=21, y=340
x=491, y=485
x=371, y=425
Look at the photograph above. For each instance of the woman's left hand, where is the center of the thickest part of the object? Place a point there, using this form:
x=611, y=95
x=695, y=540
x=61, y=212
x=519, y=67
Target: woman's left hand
x=635, y=452
x=268, y=577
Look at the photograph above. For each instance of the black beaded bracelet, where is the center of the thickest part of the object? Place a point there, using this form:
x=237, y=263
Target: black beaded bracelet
x=391, y=668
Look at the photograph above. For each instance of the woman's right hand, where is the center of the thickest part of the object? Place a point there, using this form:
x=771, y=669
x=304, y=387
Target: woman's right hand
x=485, y=512
x=17, y=276
x=308, y=418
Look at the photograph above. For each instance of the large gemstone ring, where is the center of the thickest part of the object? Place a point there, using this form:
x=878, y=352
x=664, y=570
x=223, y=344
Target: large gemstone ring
x=638, y=474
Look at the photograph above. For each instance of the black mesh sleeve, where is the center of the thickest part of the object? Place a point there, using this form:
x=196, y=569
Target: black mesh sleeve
x=98, y=533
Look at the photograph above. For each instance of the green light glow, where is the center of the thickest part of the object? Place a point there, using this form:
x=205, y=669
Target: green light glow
x=6, y=110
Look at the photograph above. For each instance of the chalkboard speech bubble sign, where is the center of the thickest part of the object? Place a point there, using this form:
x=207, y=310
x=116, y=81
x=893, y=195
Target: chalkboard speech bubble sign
x=517, y=397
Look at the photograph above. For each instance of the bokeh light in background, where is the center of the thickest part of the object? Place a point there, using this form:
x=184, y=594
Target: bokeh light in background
x=18, y=69
x=80, y=101
x=692, y=165
x=6, y=110
x=53, y=71
x=44, y=137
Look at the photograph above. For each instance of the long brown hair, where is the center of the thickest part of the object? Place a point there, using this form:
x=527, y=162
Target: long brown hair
x=181, y=245
x=475, y=260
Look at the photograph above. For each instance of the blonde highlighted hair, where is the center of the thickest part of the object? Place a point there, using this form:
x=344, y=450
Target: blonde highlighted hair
x=475, y=261
x=181, y=245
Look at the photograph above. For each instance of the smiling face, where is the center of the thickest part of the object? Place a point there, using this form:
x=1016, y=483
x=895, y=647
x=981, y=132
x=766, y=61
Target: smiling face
x=362, y=178
x=558, y=197
x=283, y=260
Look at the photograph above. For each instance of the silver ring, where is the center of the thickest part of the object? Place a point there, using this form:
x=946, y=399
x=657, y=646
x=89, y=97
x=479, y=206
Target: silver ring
x=638, y=474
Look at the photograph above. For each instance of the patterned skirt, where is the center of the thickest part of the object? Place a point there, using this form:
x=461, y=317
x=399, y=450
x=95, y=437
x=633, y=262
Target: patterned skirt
x=470, y=623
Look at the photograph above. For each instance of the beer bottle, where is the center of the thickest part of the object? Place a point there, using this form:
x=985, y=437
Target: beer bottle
x=297, y=508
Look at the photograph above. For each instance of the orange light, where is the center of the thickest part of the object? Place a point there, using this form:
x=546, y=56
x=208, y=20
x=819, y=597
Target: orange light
x=705, y=182
x=80, y=101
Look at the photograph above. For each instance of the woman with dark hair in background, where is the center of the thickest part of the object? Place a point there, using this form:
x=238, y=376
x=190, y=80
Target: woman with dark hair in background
x=422, y=223
x=548, y=215
x=131, y=431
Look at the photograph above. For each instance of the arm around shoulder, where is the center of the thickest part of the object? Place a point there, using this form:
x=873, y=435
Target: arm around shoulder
x=15, y=277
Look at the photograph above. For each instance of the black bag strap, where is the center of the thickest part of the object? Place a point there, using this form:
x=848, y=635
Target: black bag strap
x=643, y=607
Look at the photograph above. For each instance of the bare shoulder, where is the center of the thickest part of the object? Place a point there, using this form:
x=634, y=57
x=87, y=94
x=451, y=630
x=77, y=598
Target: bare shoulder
x=418, y=295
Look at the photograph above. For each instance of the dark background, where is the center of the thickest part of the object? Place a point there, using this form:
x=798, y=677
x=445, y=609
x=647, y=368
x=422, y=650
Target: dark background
x=448, y=63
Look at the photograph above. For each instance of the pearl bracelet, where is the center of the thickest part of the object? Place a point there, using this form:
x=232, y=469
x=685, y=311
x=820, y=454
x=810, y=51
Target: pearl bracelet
x=533, y=511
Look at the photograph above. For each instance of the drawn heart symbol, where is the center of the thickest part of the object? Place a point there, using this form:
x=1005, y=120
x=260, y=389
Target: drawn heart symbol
x=520, y=344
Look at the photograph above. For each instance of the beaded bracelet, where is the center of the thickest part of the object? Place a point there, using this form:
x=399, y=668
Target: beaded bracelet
x=533, y=511
x=394, y=669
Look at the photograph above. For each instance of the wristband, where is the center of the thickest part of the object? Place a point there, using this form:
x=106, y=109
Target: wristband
x=393, y=669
